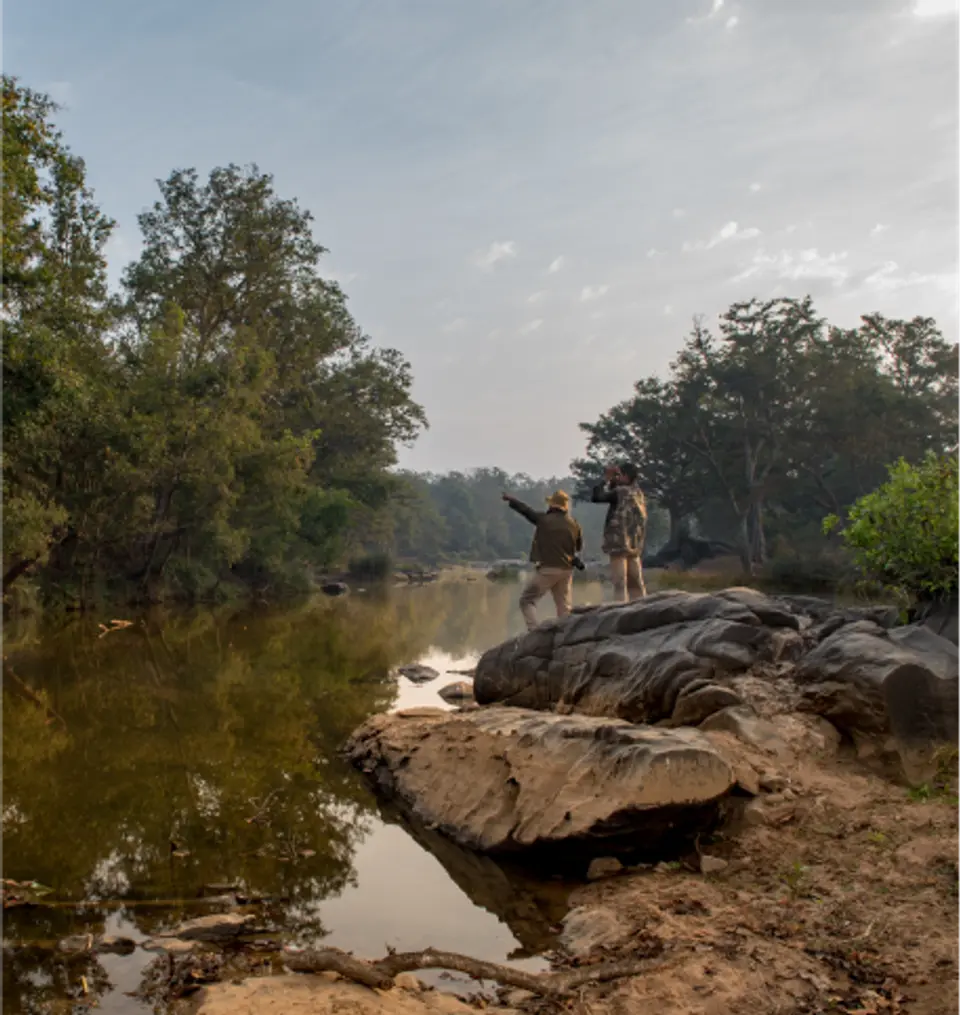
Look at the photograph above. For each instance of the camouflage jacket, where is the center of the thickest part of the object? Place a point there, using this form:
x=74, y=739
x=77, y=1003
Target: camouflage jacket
x=625, y=528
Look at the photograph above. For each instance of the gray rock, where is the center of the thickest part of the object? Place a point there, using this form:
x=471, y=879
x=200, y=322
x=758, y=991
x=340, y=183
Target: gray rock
x=871, y=683
x=631, y=661
x=692, y=709
x=588, y=927
x=216, y=927
x=505, y=779
x=418, y=674
x=114, y=945
x=457, y=693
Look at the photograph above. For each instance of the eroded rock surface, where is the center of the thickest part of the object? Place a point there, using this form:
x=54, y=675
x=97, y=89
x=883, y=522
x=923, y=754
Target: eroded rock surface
x=668, y=656
x=503, y=779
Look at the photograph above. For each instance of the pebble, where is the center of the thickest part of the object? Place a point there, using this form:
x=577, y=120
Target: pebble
x=603, y=867
x=712, y=864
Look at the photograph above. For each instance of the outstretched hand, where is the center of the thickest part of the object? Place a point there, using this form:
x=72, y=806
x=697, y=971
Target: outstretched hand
x=505, y=496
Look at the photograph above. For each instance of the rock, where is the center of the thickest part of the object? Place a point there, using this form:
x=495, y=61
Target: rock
x=457, y=693
x=75, y=943
x=517, y=997
x=113, y=945
x=588, y=927
x=315, y=995
x=747, y=726
x=712, y=864
x=870, y=683
x=418, y=674
x=603, y=867
x=631, y=661
x=754, y=813
x=773, y=782
x=216, y=927
x=170, y=945
x=692, y=709
x=334, y=589
x=407, y=981
x=925, y=852
x=506, y=779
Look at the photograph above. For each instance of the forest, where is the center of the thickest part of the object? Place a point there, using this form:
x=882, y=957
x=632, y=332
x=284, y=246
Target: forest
x=220, y=421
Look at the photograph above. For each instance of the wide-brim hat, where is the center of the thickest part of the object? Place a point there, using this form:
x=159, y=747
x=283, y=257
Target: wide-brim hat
x=559, y=500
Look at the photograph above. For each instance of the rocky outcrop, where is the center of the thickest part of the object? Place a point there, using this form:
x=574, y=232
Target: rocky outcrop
x=504, y=779
x=658, y=658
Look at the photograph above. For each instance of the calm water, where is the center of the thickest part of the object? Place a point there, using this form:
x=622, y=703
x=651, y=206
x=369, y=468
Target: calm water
x=135, y=791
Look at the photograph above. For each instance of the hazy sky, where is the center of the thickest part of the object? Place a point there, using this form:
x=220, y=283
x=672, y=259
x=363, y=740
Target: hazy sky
x=532, y=198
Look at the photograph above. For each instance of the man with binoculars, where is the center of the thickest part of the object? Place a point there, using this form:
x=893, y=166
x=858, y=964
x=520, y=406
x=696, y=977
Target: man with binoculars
x=624, y=530
x=557, y=542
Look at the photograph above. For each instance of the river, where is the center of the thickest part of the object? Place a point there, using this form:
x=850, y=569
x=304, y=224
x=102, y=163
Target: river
x=145, y=768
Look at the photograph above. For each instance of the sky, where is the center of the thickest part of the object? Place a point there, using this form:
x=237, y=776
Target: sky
x=532, y=199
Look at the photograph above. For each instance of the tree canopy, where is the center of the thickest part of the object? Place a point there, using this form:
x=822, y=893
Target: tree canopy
x=780, y=419
x=222, y=417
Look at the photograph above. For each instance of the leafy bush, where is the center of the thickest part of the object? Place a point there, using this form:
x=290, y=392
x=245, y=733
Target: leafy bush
x=904, y=534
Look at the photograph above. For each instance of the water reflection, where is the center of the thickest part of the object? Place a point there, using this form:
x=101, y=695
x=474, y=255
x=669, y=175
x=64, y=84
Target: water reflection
x=198, y=749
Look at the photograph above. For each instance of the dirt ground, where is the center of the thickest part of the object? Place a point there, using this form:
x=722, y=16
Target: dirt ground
x=839, y=895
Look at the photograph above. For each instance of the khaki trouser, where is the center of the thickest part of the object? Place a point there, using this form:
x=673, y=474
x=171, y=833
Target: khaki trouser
x=556, y=580
x=627, y=577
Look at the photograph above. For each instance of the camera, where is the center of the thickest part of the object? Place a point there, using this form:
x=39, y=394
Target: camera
x=579, y=564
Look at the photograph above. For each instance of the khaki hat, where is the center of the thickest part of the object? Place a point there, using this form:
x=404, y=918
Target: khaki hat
x=559, y=500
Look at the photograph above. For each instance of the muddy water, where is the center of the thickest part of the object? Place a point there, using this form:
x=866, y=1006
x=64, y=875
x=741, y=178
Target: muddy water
x=146, y=767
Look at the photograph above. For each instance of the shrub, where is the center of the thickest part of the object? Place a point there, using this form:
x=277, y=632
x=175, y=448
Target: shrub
x=904, y=534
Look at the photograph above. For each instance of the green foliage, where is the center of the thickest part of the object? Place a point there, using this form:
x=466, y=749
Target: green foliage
x=222, y=420
x=781, y=418
x=904, y=534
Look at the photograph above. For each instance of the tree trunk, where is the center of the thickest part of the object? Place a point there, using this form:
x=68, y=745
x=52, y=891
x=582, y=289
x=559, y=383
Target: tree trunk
x=744, y=547
x=15, y=572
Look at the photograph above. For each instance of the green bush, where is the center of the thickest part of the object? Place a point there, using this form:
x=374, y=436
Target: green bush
x=904, y=534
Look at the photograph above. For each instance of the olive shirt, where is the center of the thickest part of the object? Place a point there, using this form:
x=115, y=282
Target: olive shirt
x=557, y=539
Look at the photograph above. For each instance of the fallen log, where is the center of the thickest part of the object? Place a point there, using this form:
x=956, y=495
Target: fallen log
x=380, y=974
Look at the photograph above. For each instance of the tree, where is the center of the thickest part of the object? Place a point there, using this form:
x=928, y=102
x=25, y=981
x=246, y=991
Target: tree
x=780, y=418
x=56, y=367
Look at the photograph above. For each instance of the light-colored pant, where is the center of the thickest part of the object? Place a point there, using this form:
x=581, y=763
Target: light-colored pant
x=627, y=577
x=556, y=580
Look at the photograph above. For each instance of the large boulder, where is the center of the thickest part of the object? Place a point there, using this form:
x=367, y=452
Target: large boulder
x=503, y=780
x=869, y=681
x=656, y=658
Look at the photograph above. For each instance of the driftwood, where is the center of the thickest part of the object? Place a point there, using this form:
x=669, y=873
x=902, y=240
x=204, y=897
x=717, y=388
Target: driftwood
x=380, y=974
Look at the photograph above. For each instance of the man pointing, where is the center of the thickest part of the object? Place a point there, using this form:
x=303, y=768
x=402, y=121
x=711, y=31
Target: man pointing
x=557, y=540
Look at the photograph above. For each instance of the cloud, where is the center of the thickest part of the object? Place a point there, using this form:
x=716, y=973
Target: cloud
x=715, y=8
x=537, y=296
x=730, y=231
x=531, y=326
x=496, y=252
x=935, y=8
x=592, y=292
x=555, y=265
x=733, y=22
x=887, y=278
x=668, y=311
x=755, y=188
x=878, y=229
x=458, y=324
x=652, y=253
x=679, y=213
x=791, y=265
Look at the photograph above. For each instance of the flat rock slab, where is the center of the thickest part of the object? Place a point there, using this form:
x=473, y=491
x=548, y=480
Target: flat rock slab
x=316, y=995
x=504, y=779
